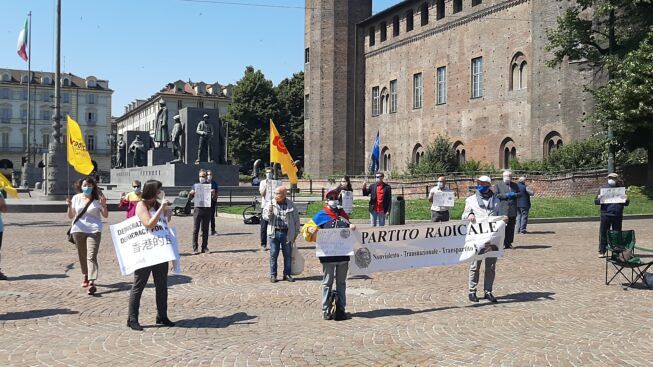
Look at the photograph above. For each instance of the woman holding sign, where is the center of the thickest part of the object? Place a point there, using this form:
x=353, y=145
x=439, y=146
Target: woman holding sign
x=346, y=196
x=149, y=211
x=87, y=210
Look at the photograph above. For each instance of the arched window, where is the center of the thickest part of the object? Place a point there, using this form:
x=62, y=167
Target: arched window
x=46, y=80
x=6, y=77
x=507, y=152
x=552, y=141
x=24, y=78
x=386, y=159
x=518, y=72
x=385, y=97
x=418, y=153
x=459, y=147
x=65, y=82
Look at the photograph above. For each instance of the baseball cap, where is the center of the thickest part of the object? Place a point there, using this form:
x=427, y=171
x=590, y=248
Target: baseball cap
x=330, y=191
x=613, y=175
x=484, y=179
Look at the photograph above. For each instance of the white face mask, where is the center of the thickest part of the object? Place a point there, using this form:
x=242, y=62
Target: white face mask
x=440, y=184
x=506, y=179
x=209, y=177
x=202, y=179
x=332, y=203
x=267, y=175
x=612, y=182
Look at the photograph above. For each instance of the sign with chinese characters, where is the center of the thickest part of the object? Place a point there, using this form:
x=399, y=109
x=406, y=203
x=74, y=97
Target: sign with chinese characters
x=138, y=247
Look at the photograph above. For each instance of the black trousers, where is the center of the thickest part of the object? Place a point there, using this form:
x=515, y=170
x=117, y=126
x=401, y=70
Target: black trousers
x=214, y=204
x=160, y=275
x=510, y=231
x=201, y=219
x=608, y=223
x=263, y=232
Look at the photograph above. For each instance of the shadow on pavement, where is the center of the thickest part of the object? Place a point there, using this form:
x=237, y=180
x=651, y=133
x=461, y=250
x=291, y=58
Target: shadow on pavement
x=234, y=234
x=312, y=277
x=41, y=223
x=126, y=286
x=239, y=318
x=531, y=247
x=540, y=232
x=35, y=314
x=397, y=312
x=234, y=251
x=517, y=298
x=38, y=277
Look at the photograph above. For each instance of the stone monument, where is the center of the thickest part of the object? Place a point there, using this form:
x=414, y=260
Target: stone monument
x=120, y=152
x=137, y=148
x=161, y=135
x=205, y=134
x=177, y=141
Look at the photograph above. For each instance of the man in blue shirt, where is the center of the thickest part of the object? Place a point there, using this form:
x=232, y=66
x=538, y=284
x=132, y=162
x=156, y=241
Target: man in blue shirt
x=214, y=200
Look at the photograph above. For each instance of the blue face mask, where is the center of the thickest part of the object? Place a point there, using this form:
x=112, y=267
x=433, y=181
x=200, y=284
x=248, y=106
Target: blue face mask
x=482, y=188
x=87, y=190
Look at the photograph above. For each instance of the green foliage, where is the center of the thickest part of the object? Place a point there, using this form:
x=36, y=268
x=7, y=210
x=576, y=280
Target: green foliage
x=290, y=92
x=584, y=154
x=438, y=157
x=471, y=166
x=245, y=178
x=254, y=103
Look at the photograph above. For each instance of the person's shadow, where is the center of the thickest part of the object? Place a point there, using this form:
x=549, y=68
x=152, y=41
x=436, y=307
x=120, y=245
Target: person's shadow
x=35, y=314
x=239, y=318
x=173, y=280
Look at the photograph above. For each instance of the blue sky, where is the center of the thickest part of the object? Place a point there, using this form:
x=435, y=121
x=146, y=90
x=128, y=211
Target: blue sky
x=140, y=45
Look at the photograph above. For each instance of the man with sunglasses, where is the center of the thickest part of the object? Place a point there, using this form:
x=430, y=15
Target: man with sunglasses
x=380, y=194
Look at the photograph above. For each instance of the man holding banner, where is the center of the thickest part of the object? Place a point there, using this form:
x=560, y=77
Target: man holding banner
x=483, y=204
x=334, y=259
x=441, y=199
x=202, y=194
x=612, y=199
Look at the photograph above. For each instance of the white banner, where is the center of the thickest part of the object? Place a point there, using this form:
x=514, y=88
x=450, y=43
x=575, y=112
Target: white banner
x=613, y=195
x=137, y=247
x=270, y=186
x=415, y=246
x=347, y=201
x=202, y=198
x=335, y=242
x=443, y=199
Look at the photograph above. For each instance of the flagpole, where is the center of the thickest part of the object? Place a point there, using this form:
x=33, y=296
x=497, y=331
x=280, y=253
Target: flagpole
x=27, y=167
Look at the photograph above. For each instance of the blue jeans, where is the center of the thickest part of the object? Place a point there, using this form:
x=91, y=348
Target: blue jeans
x=339, y=272
x=377, y=217
x=279, y=241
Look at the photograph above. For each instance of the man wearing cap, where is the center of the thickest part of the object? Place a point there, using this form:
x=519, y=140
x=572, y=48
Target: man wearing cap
x=612, y=215
x=205, y=132
x=484, y=203
x=333, y=267
x=283, y=228
x=380, y=195
x=439, y=213
x=523, y=205
x=508, y=193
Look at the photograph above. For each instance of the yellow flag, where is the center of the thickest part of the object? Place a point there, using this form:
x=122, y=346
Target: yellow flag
x=78, y=156
x=6, y=185
x=279, y=154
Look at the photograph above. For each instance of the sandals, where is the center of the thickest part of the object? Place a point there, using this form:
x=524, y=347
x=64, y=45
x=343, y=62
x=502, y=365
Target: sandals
x=91, y=289
x=85, y=283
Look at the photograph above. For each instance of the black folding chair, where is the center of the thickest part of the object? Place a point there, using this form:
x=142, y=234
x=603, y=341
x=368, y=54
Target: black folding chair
x=622, y=255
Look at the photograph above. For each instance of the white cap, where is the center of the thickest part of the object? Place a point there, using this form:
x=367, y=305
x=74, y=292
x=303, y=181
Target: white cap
x=484, y=179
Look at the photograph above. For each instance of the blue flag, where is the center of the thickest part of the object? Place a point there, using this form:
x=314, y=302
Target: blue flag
x=376, y=153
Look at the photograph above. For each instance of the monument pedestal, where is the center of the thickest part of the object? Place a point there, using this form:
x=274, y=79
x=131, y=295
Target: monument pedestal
x=59, y=177
x=176, y=174
x=159, y=156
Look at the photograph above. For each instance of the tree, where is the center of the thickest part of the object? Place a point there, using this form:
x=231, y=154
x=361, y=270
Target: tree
x=604, y=34
x=439, y=157
x=253, y=104
x=290, y=92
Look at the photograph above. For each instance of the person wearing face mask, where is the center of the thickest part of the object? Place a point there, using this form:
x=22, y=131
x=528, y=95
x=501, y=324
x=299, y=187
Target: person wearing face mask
x=262, y=189
x=380, y=195
x=283, y=228
x=345, y=185
x=150, y=211
x=130, y=200
x=439, y=213
x=333, y=267
x=214, y=199
x=508, y=193
x=612, y=215
x=87, y=209
x=484, y=203
x=201, y=218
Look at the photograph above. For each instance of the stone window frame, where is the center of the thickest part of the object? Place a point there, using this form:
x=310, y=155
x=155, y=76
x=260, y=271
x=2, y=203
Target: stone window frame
x=552, y=141
x=393, y=96
x=91, y=145
x=477, y=77
x=441, y=85
x=424, y=14
x=386, y=159
x=507, y=152
x=371, y=34
x=383, y=31
x=5, y=77
x=418, y=91
x=376, y=95
x=461, y=154
x=417, y=154
x=440, y=9
x=518, y=72
x=6, y=118
x=384, y=101
x=457, y=6
x=410, y=20
x=395, y=26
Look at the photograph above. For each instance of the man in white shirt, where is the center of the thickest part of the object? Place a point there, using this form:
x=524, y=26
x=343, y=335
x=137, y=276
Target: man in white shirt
x=439, y=213
x=262, y=189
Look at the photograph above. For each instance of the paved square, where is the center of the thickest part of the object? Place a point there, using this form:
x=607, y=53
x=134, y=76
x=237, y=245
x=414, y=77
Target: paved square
x=554, y=308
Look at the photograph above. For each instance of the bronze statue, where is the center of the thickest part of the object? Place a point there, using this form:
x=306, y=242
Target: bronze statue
x=138, y=149
x=177, y=140
x=161, y=134
x=120, y=154
x=205, y=132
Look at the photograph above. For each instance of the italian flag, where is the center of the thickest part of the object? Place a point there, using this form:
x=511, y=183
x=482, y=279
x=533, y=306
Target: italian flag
x=22, y=42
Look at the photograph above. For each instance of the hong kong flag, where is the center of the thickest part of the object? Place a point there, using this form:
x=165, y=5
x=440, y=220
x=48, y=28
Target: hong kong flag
x=22, y=42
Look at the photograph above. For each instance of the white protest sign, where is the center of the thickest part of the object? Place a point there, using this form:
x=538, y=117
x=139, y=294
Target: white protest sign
x=486, y=237
x=443, y=199
x=393, y=248
x=335, y=242
x=270, y=186
x=137, y=247
x=202, y=198
x=613, y=195
x=347, y=201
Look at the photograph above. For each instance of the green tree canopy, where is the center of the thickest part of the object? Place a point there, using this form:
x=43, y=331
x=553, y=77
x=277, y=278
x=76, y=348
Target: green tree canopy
x=290, y=92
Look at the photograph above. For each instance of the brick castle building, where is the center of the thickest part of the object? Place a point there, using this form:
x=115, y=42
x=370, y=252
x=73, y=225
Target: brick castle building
x=473, y=70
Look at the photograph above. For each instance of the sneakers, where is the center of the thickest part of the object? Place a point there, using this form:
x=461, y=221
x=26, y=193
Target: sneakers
x=326, y=316
x=472, y=297
x=2, y=276
x=273, y=279
x=490, y=297
x=288, y=278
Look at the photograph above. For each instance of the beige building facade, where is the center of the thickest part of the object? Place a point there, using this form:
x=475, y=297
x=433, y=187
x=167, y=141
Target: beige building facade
x=473, y=70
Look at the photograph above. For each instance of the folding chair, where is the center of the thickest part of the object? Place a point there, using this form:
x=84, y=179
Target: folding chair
x=621, y=254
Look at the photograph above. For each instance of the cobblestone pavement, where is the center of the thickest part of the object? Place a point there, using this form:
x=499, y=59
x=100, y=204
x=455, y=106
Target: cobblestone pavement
x=554, y=308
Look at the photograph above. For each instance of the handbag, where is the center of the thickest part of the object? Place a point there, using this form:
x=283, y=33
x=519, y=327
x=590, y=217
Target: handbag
x=297, y=261
x=70, y=235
